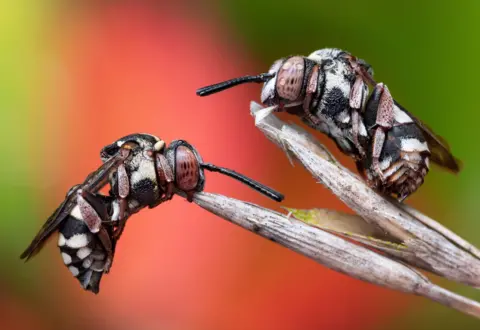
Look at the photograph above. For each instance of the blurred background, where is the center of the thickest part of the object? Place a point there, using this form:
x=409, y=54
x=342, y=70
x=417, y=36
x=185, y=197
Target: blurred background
x=76, y=75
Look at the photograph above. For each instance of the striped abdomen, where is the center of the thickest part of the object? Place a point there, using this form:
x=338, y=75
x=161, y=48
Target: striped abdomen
x=82, y=251
x=404, y=160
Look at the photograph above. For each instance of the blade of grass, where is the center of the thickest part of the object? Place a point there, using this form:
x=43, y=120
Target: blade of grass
x=331, y=250
x=444, y=254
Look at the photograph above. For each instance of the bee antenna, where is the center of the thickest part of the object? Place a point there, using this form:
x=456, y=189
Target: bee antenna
x=207, y=90
x=267, y=191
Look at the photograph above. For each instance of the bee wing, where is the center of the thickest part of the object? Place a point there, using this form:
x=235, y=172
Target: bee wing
x=50, y=226
x=93, y=183
x=439, y=148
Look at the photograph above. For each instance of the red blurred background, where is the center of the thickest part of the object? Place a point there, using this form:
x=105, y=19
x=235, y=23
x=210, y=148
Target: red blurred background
x=114, y=69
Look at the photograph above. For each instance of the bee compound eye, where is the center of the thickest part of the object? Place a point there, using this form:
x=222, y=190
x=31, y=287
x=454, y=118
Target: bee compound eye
x=290, y=78
x=187, y=169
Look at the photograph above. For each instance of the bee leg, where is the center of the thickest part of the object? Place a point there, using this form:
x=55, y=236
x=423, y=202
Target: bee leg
x=358, y=96
x=362, y=69
x=385, y=107
x=311, y=90
x=384, y=121
x=106, y=242
x=88, y=212
x=91, y=208
x=356, y=131
x=165, y=177
x=123, y=192
x=378, y=141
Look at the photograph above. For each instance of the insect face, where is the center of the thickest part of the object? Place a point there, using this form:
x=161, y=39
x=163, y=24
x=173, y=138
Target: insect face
x=292, y=84
x=185, y=162
x=290, y=79
x=188, y=170
x=288, y=83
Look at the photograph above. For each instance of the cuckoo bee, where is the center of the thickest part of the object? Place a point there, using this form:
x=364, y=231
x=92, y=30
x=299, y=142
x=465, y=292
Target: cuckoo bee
x=141, y=171
x=329, y=90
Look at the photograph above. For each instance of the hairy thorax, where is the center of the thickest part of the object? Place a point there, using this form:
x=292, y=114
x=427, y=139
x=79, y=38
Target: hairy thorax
x=331, y=104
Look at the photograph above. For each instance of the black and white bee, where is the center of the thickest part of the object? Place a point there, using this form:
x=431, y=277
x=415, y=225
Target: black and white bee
x=329, y=91
x=142, y=172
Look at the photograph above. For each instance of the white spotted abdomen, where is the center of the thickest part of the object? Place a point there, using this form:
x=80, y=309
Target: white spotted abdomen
x=403, y=162
x=82, y=252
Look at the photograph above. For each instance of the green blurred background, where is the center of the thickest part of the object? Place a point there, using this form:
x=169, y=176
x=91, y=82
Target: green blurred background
x=74, y=76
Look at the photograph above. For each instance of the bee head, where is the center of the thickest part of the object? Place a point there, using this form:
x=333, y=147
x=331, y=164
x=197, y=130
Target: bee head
x=188, y=170
x=283, y=84
x=185, y=162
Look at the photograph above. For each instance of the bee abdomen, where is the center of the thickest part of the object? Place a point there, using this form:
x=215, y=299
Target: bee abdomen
x=403, y=177
x=403, y=162
x=82, y=253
